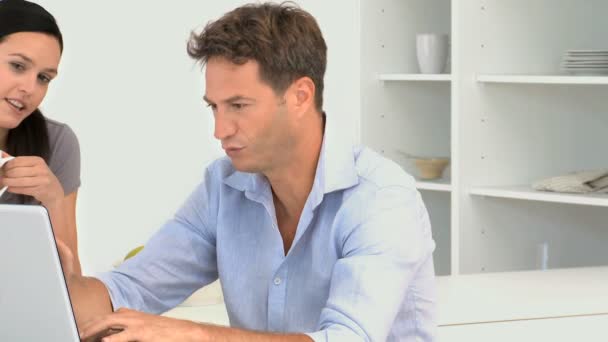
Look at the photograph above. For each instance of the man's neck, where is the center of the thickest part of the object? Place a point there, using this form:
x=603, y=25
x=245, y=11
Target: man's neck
x=292, y=184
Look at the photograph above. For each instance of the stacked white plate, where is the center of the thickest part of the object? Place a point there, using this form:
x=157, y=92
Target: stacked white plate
x=586, y=62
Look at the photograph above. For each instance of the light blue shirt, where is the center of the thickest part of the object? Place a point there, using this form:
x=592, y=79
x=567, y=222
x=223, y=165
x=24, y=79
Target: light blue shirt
x=360, y=267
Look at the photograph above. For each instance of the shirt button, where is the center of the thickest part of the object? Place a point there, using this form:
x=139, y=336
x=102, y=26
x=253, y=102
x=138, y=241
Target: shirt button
x=277, y=281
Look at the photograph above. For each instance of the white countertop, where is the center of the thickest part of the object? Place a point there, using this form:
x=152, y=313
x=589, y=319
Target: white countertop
x=527, y=302
x=566, y=329
x=490, y=297
x=211, y=313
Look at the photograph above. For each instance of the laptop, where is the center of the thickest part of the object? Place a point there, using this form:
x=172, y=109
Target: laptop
x=34, y=301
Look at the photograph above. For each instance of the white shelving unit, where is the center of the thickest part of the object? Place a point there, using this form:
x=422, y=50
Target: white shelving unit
x=415, y=77
x=540, y=79
x=523, y=192
x=440, y=185
x=504, y=113
x=405, y=111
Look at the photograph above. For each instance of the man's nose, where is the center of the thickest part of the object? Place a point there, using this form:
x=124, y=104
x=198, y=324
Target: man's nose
x=224, y=127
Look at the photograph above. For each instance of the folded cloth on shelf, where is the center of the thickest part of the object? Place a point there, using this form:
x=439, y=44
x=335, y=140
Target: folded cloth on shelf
x=576, y=182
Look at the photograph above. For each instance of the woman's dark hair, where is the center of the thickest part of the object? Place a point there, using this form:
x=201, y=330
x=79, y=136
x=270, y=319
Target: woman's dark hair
x=31, y=137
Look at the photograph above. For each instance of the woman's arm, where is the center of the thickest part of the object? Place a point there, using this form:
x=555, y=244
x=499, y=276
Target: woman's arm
x=31, y=176
x=63, y=218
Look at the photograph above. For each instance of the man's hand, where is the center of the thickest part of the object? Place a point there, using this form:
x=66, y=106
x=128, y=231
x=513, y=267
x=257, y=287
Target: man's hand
x=31, y=176
x=129, y=325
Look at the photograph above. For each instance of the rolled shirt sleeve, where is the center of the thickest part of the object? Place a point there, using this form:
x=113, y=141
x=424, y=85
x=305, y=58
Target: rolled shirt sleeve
x=178, y=260
x=381, y=257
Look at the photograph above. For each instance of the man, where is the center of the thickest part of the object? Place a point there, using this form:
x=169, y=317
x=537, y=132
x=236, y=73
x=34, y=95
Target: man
x=312, y=239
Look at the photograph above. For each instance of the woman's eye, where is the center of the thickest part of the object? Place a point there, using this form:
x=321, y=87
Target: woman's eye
x=44, y=79
x=17, y=66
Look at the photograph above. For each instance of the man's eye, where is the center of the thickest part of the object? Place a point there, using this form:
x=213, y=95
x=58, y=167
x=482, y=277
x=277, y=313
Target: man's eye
x=238, y=106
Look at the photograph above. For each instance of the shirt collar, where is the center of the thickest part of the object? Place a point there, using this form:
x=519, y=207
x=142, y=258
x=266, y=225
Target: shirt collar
x=335, y=171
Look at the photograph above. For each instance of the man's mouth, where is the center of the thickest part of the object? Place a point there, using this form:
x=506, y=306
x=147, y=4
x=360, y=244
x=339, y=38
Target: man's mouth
x=233, y=151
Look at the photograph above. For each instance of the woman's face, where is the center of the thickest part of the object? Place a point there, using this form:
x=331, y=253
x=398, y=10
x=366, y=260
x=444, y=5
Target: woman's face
x=28, y=63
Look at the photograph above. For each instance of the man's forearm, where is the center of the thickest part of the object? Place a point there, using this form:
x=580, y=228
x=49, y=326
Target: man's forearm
x=225, y=334
x=89, y=297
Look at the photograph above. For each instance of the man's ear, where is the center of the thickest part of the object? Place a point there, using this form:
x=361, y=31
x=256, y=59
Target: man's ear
x=303, y=95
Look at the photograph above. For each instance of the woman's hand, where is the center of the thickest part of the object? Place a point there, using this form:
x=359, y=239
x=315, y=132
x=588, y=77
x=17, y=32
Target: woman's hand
x=31, y=176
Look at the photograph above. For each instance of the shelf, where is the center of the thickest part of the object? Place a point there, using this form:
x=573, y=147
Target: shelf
x=540, y=79
x=505, y=112
x=526, y=193
x=415, y=77
x=440, y=185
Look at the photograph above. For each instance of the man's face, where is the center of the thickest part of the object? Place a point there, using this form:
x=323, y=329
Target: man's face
x=251, y=120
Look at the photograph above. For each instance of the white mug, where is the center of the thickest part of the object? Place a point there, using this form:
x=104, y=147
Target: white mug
x=432, y=52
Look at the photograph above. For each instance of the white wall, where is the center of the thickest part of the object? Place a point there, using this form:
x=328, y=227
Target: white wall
x=134, y=98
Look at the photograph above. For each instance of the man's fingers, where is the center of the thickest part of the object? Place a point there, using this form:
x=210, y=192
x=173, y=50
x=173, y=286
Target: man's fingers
x=95, y=327
x=103, y=324
x=98, y=336
x=120, y=335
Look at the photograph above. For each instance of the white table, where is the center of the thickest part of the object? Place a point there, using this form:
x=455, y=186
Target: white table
x=212, y=313
x=566, y=329
x=489, y=297
x=553, y=305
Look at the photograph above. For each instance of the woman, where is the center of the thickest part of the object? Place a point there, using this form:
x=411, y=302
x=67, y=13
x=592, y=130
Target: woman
x=46, y=169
